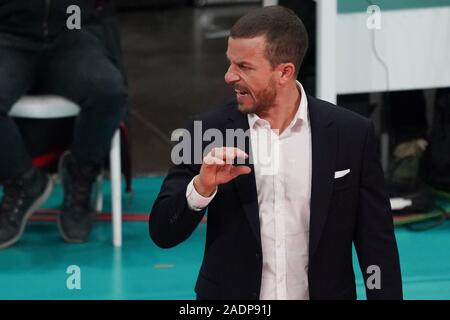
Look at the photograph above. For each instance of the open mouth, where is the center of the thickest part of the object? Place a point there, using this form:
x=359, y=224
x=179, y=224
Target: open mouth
x=241, y=93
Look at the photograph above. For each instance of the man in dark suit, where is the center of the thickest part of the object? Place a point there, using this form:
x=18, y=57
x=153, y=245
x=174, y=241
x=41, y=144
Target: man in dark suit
x=286, y=204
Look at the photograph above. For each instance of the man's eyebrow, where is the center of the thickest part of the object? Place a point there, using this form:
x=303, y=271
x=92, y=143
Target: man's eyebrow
x=240, y=63
x=244, y=64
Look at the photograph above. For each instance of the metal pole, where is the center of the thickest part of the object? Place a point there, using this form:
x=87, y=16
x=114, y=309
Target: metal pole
x=326, y=50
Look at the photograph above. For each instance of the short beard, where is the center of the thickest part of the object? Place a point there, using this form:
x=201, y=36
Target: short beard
x=264, y=100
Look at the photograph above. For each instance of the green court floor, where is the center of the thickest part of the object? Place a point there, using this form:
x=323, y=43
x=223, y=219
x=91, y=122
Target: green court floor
x=36, y=268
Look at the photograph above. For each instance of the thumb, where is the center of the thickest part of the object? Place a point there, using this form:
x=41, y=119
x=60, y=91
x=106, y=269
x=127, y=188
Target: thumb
x=239, y=170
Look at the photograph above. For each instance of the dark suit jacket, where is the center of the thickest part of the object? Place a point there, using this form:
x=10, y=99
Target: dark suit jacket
x=353, y=209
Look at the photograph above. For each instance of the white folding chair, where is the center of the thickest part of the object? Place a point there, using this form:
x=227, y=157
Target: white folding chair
x=51, y=107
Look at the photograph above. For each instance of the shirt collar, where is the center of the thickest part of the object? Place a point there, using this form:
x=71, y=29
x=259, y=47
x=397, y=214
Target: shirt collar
x=301, y=116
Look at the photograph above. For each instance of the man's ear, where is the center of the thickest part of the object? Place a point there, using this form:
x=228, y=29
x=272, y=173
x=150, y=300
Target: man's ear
x=287, y=72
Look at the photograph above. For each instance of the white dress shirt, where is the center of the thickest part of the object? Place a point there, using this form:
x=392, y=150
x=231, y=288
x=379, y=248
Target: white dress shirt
x=283, y=181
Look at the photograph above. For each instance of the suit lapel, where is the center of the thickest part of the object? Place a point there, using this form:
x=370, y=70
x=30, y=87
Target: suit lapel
x=246, y=184
x=324, y=148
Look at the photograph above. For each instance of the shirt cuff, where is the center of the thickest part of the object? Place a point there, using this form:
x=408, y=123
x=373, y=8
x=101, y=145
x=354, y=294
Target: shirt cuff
x=196, y=201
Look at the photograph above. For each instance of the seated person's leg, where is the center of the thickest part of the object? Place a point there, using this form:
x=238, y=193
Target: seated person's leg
x=81, y=71
x=24, y=187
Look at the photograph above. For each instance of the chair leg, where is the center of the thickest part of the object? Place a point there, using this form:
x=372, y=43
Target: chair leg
x=99, y=194
x=116, y=196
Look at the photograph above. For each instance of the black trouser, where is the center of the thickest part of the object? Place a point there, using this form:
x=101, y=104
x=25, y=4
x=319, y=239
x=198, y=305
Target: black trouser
x=75, y=65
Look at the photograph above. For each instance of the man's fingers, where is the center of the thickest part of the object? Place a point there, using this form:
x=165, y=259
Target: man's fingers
x=228, y=154
x=211, y=160
x=239, y=153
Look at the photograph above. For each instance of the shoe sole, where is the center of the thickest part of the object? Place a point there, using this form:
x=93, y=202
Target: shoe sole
x=36, y=204
x=64, y=236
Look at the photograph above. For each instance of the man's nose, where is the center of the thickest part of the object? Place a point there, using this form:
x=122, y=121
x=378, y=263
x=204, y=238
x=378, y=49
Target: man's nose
x=231, y=76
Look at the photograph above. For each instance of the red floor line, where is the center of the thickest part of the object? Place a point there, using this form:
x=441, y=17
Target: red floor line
x=50, y=215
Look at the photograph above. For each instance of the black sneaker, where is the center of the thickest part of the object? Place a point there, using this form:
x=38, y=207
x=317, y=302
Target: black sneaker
x=77, y=211
x=21, y=197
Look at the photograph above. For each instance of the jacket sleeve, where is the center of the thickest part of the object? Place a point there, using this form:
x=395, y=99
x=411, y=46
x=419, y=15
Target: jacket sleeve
x=374, y=237
x=171, y=220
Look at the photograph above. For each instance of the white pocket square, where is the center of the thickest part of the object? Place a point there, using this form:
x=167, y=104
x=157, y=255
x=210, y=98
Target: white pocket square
x=340, y=174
